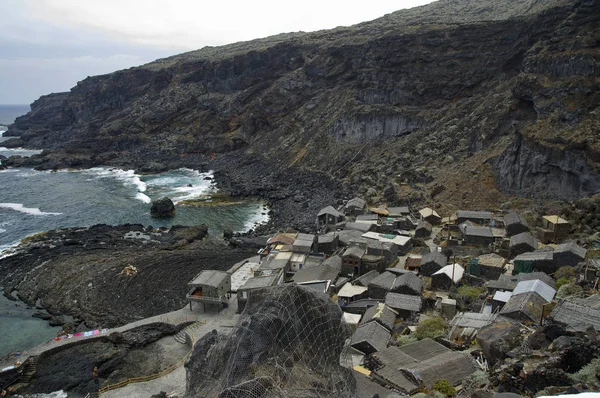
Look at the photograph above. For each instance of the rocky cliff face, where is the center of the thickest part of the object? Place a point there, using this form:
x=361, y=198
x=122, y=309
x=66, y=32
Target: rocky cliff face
x=400, y=99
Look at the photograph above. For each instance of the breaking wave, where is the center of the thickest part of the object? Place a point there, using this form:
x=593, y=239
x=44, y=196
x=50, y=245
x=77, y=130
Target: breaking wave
x=28, y=210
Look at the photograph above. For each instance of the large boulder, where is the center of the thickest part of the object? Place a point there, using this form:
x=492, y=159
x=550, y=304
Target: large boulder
x=288, y=337
x=498, y=339
x=162, y=208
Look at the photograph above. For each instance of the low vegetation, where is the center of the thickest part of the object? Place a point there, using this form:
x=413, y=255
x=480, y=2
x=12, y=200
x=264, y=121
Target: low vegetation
x=444, y=387
x=431, y=328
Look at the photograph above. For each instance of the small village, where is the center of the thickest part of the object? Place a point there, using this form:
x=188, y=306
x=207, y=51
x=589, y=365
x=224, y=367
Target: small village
x=431, y=300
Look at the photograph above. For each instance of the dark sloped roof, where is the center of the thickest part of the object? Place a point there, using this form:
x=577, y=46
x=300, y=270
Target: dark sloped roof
x=542, y=276
x=364, y=280
x=472, y=320
x=321, y=273
x=327, y=238
x=330, y=210
x=423, y=349
x=476, y=215
x=355, y=251
x=381, y=313
x=404, y=302
x=356, y=202
x=436, y=257
x=537, y=255
x=571, y=247
x=514, y=218
x=424, y=225
x=451, y=365
x=576, y=316
x=528, y=304
x=385, y=280
x=373, y=333
x=470, y=230
x=210, y=277
x=523, y=238
x=334, y=262
x=410, y=280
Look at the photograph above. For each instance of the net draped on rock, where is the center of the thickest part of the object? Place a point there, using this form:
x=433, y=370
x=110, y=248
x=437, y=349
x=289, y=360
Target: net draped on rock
x=289, y=342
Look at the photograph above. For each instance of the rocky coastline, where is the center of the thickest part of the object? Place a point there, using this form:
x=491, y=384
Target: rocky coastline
x=76, y=277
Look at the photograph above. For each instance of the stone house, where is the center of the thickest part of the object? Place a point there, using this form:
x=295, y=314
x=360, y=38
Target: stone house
x=477, y=217
x=406, y=305
x=569, y=253
x=423, y=230
x=522, y=243
x=432, y=262
x=430, y=215
x=209, y=287
x=556, y=227
x=515, y=224
x=447, y=276
x=355, y=207
x=330, y=218
x=370, y=338
x=352, y=260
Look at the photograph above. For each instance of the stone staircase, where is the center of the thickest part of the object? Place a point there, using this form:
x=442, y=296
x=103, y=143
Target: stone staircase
x=188, y=334
x=28, y=372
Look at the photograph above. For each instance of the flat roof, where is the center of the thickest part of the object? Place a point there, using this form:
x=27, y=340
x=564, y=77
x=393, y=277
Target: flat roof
x=260, y=281
x=242, y=274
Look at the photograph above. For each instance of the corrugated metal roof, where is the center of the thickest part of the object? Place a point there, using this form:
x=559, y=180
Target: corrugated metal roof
x=535, y=286
x=577, y=316
x=447, y=270
x=502, y=297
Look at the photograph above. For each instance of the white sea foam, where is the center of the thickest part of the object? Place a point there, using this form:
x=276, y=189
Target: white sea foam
x=8, y=250
x=127, y=177
x=55, y=394
x=143, y=197
x=29, y=210
x=2, y=230
x=257, y=218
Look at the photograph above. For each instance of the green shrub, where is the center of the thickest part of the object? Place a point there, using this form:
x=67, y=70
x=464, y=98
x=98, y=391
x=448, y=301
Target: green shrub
x=405, y=339
x=471, y=292
x=570, y=289
x=430, y=328
x=563, y=281
x=565, y=272
x=587, y=374
x=444, y=387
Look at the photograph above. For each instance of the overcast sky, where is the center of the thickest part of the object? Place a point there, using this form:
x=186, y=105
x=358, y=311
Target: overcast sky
x=48, y=45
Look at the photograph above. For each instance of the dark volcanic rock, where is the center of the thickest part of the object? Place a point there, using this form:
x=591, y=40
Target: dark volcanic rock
x=288, y=337
x=497, y=339
x=162, y=208
x=419, y=89
x=86, y=281
x=69, y=368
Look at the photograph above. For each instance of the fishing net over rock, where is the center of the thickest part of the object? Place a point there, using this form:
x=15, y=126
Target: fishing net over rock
x=289, y=342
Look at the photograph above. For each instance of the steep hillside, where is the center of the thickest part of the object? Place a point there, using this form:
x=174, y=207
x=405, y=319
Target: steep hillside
x=460, y=99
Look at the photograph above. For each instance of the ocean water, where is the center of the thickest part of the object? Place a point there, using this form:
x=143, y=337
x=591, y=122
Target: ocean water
x=34, y=201
x=8, y=113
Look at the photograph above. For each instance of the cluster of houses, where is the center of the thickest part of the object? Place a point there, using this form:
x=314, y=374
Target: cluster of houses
x=365, y=260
